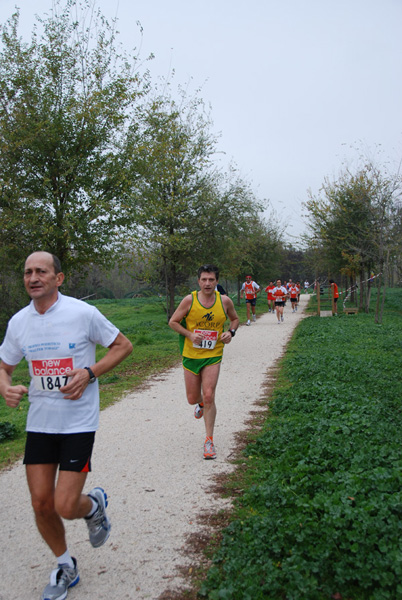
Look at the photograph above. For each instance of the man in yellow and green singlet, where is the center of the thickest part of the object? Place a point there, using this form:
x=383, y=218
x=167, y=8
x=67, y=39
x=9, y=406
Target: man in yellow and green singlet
x=199, y=319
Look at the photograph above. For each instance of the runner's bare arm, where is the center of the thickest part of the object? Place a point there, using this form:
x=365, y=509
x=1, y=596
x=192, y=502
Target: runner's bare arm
x=178, y=315
x=230, y=310
x=79, y=378
x=12, y=394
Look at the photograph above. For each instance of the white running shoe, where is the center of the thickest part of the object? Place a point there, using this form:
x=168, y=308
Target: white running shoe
x=254, y=318
x=209, y=450
x=248, y=323
x=61, y=579
x=99, y=524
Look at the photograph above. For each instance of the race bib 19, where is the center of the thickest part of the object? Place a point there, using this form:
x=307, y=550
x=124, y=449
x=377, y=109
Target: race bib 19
x=209, y=339
x=50, y=374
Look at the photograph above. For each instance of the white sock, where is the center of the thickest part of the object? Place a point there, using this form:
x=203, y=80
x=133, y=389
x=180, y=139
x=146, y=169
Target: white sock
x=65, y=559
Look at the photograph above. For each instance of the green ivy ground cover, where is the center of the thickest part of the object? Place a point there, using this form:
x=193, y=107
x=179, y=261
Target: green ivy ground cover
x=321, y=515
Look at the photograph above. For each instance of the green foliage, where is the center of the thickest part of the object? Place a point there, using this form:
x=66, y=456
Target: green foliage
x=354, y=222
x=188, y=212
x=65, y=100
x=321, y=512
x=8, y=431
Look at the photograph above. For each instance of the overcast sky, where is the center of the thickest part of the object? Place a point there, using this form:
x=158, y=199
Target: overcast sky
x=296, y=87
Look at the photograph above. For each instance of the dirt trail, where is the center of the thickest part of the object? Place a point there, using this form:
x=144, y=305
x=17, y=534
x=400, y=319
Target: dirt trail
x=148, y=457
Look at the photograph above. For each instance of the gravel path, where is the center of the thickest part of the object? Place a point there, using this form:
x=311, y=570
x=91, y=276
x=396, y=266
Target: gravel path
x=148, y=457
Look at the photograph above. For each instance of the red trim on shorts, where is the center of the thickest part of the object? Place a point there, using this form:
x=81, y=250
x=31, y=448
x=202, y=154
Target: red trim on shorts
x=86, y=467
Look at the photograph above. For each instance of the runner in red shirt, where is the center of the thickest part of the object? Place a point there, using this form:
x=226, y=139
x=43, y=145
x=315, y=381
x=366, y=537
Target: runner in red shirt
x=293, y=292
x=270, y=298
x=251, y=289
x=298, y=285
x=335, y=294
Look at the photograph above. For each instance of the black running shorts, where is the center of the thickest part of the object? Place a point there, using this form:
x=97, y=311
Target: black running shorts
x=72, y=451
x=252, y=301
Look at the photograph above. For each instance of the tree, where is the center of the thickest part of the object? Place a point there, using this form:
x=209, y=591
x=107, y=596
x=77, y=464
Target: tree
x=354, y=223
x=238, y=239
x=170, y=151
x=66, y=99
x=185, y=206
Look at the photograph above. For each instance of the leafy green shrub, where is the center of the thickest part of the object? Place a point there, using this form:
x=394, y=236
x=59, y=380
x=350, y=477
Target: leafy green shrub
x=323, y=512
x=8, y=431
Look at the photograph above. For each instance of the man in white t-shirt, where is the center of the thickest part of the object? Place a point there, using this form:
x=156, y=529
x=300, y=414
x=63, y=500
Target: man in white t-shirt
x=57, y=335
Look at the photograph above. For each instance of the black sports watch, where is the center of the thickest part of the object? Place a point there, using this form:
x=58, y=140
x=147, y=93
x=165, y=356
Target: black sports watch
x=233, y=332
x=92, y=377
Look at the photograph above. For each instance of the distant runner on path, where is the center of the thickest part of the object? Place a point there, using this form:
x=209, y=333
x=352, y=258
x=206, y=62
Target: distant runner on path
x=199, y=319
x=250, y=288
x=335, y=294
x=270, y=298
x=57, y=335
x=280, y=294
x=293, y=292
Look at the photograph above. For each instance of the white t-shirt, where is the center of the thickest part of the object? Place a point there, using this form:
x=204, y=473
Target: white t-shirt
x=63, y=338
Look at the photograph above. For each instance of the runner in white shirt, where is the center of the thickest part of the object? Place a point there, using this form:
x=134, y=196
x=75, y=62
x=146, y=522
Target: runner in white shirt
x=57, y=335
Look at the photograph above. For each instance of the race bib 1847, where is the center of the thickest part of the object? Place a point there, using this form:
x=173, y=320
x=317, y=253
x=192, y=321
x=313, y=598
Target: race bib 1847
x=209, y=339
x=50, y=374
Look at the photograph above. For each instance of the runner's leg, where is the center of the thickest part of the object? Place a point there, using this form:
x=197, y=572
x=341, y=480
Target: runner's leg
x=41, y=483
x=193, y=387
x=70, y=502
x=209, y=378
x=51, y=502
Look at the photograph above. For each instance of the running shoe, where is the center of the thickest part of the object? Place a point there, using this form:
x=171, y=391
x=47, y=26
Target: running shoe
x=99, y=524
x=281, y=318
x=209, y=449
x=61, y=579
x=254, y=318
x=198, y=411
x=248, y=323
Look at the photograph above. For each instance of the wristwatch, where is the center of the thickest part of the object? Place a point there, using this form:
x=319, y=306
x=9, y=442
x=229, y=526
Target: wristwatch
x=92, y=377
x=233, y=332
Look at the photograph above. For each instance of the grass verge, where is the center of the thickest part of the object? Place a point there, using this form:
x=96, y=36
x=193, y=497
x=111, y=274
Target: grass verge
x=156, y=349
